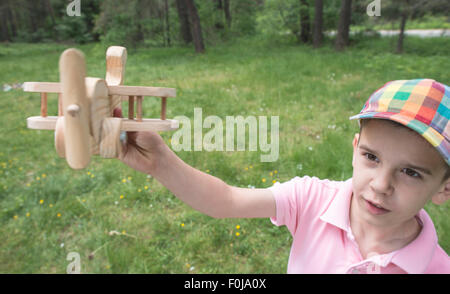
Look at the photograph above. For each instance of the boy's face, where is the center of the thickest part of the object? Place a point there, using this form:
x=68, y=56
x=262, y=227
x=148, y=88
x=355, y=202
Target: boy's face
x=397, y=169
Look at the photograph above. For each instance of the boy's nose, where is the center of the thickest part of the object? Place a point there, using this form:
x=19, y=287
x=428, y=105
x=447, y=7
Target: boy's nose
x=381, y=183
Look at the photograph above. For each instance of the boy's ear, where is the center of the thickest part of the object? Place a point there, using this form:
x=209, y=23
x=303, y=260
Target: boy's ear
x=355, y=146
x=443, y=194
x=355, y=140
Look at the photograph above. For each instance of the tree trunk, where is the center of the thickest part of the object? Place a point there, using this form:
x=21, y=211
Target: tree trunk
x=344, y=25
x=318, y=23
x=185, y=26
x=226, y=9
x=4, y=25
x=219, y=8
x=305, y=25
x=50, y=11
x=12, y=19
x=401, y=36
x=196, y=28
x=166, y=12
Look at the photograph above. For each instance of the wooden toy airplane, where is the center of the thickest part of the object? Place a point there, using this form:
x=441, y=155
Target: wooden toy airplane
x=85, y=124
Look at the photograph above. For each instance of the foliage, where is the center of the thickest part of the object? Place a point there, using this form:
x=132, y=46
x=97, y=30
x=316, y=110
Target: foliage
x=146, y=22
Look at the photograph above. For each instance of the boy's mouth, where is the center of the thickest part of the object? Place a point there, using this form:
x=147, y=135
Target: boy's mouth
x=375, y=208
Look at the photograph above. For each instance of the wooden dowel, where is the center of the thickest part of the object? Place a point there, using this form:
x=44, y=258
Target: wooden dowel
x=163, y=107
x=60, y=106
x=131, y=107
x=139, y=108
x=44, y=104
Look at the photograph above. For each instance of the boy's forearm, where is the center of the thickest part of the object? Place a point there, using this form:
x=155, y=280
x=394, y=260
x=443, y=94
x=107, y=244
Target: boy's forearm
x=201, y=191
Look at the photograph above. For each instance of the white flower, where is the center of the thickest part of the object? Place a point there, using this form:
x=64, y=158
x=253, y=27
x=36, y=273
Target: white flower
x=310, y=148
x=192, y=268
x=61, y=245
x=299, y=166
x=116, y=202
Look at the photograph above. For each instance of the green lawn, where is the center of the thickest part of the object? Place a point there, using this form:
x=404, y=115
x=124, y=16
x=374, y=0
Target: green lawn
x=121, y=221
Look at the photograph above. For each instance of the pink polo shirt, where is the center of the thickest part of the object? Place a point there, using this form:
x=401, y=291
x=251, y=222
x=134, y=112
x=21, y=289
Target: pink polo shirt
x=316, y=212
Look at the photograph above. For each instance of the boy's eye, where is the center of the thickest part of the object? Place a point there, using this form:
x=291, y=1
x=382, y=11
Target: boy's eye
x=371, y=157
x=411, y=173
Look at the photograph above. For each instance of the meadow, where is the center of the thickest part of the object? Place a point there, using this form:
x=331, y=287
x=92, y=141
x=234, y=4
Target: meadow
x=122, y=221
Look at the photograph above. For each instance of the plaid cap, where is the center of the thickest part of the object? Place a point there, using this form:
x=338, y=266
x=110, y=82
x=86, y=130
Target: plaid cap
x=420, y=104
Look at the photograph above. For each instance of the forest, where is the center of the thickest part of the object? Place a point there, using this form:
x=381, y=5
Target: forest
x=204, y=23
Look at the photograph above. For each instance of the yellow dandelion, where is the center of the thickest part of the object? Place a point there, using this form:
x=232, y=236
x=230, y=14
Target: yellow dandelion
x=182, y=225
x=84, y=200
x=108, y=193
x=237, y=234
x=246, y=168
x=38, y=178
x=92, y=176
x=50, y=205
x=88, y=173
x=251, y=166
x=124, y=232
x=107, y=266
x=41, y=201
x=238, y=227
x=270, y=174
x=44, y=176
x=28, y=184
x=129, y=178
x=139, y=190
x=124, y=180
x=16, y=217
x=121, y=196
x=207, y=170
x=20, y=168
x=28, y=214
x=275, y=171
x=274, y=181
x=263, y=180
x=58, y=215
x=146, y=187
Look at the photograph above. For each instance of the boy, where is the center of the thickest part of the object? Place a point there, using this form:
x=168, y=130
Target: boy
x=371, y=223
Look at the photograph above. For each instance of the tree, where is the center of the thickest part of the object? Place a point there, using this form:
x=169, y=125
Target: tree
x=305, y=25
x=226, y=10
x=167, y=23
x=183, y=17
x=196, y=28
x=318, y=23
x=404, y=16
x=342, y=37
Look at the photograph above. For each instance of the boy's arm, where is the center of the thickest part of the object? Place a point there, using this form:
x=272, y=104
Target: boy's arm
x=147, y=152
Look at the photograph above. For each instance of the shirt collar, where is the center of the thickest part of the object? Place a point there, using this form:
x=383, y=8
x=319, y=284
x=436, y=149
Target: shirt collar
x=338, y=212
x=414, y=258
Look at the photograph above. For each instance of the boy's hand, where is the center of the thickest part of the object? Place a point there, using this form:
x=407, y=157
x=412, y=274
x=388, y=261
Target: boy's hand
x=142, y=149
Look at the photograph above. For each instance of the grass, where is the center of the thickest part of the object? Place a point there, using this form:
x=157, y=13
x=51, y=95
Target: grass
x=48, y=210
